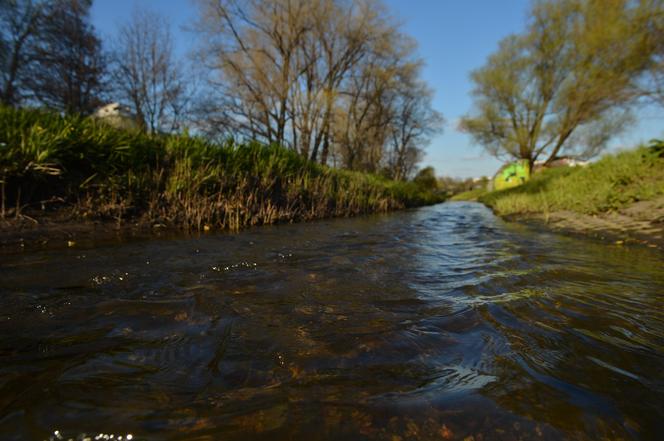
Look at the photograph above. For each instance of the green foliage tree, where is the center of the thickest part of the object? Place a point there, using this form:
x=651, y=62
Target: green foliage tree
x=651, y=85
x=426, y=179
x=564, y=84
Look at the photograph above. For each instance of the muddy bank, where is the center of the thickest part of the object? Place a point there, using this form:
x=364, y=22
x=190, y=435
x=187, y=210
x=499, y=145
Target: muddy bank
x=61, y=231
x=639, y=223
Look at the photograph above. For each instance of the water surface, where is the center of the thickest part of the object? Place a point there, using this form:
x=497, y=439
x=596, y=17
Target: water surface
x=437, y=323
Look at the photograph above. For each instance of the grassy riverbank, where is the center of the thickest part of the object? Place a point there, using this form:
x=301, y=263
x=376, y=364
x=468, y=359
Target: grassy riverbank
x=620, y=196
x=612, y=183
x=471, y=195
x=83, y=169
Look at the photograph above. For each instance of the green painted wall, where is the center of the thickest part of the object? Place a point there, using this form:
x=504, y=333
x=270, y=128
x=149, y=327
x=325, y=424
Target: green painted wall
x=512, y=175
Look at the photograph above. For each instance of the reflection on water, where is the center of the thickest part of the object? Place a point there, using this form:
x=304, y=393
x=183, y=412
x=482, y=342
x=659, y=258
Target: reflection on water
x=439, y=323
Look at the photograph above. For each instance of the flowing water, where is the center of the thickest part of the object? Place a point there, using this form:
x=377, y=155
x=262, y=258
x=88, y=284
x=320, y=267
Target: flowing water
x=437, y=323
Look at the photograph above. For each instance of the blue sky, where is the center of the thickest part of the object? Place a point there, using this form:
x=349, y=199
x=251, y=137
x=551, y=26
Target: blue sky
x=454, y=36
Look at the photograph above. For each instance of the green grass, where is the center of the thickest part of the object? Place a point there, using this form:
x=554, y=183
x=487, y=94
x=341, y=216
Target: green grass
x=49, y=162
x=611, y=183
x=471, y=195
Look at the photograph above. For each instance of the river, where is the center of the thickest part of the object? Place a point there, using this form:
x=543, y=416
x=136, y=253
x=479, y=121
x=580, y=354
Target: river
x=438, y=323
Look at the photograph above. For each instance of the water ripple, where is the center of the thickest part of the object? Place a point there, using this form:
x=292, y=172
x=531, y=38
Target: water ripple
x=442, y=322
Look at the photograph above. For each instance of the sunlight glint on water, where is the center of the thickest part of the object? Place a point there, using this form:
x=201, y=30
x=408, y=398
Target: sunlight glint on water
x=442, y=322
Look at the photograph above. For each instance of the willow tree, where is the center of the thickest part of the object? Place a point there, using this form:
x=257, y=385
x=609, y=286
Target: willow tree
x=651, y=85
x=561, y=87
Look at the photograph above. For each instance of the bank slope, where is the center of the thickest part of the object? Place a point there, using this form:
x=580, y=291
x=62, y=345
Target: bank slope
x=80, y=168
x=620, y=197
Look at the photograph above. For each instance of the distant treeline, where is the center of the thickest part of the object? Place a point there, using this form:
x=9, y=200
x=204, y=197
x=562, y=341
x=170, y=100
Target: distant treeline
x=82, y=168
x=334, y=80
x=453, y=186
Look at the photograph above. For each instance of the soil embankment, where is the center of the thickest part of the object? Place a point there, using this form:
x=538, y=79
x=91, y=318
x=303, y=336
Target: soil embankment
x=640, y=223
x=58, y=232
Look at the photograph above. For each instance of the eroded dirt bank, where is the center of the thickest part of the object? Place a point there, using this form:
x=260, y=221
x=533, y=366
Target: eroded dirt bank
x=61, y=232
x=639, y=223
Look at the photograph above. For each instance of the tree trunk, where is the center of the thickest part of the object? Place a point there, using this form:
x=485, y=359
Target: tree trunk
x=326, y=149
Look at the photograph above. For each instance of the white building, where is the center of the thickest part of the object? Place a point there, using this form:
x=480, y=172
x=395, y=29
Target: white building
x=117, y=115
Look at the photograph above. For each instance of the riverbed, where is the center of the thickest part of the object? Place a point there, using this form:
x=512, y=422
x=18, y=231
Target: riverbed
x=443, y=322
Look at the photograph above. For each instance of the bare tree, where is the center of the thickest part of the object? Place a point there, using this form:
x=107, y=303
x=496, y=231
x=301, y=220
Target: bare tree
x=345, y=34
x=146, y=74
x=69, y=65
x=251, y=46
x=318, y=76
x=365, y=112
x=19, y=28
x=386, y=116
x=413, y=124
